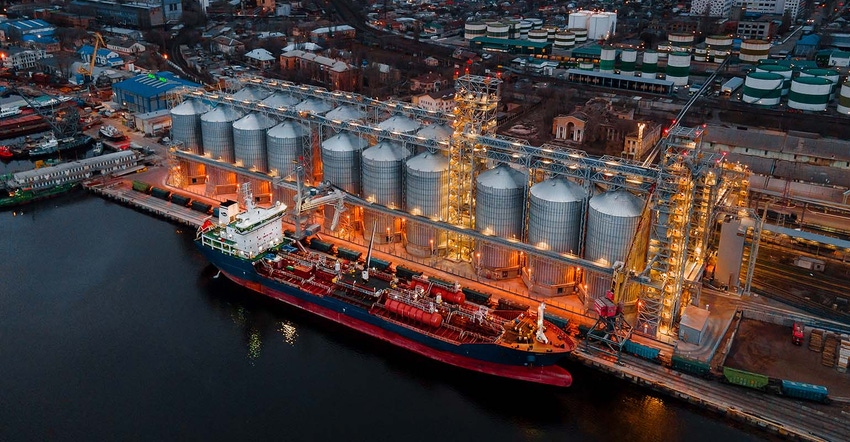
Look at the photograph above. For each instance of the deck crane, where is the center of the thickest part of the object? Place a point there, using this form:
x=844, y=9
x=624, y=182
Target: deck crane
x=321, y=195
x=88, y=69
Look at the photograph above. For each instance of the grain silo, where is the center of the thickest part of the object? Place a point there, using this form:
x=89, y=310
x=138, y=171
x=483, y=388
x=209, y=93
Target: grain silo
x=427, y=194
x=217, y=132
x=280, y=100
x=554, y=224
x=249, y=141
x=313, y=106
x=382, y=181
x=499, y=204
x=346, y=112
x=250, y=93
x=400, y=124
x=186, y=125
x=286, y=144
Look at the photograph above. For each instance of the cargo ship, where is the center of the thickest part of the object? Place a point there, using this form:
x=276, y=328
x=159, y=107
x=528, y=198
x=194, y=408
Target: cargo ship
x=410, y=310
x=52, y=145
x=19, y=197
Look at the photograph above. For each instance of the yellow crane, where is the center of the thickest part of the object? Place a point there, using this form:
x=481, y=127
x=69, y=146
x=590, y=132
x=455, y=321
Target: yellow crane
x=88, y=69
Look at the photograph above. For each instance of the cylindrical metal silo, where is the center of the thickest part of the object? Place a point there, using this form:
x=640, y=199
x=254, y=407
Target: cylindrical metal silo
x=550, y=33
x=427, y=194
x=313, y=105
x=809, y=93
x=524, y=27
x=565, y=40
x=499, y=203
x=498, y=30
x=346, y=112
x=784, y=71
x=279, y=100
x=286, y=143
x=830, y=74
x=629, y=59
x=649, y=66
x=612, y=222
x=580, y=33
x=249, y=141
x=599, y=27
x=538, y=35
x=844, y=99
x=606, y=59
x=217, y=132
x=383, y=169
x=186, y=125
x=754, y=50
x=554, y=223
x=474, y=29
x=678, y=68
x=400, y=123
x=762, y=88
x=341, y=161
x=251, y=94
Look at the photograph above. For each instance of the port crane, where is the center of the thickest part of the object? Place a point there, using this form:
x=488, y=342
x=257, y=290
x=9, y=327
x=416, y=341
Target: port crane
x=66, y=126
x=88, y=69
x=315, y=197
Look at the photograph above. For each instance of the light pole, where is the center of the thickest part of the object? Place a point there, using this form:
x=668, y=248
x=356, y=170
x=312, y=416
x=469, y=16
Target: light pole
x=478, y=266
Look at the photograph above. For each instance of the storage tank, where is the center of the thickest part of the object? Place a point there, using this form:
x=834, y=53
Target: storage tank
x=400, y=124
x=680, y=41
x=585, y=65
x=498, y=30
x=538, y=35
x=753, y=50
x=606, y=60
x=565, y=40
x=599, y=27
x=844, y=99
x=830, y=74
x=700, y=54
x=186, y=125
x=249, y=141
x=628, y=61
x=499, y=203
x=217, y=132
x=251, y=93
x=536, y=23
x=513, y=27
x=612, y=222
x=762, y=88
x=678, y=68
x=550, y=33
x=383, y=168
x=524, y=27
x=286, y=144
x=427, y=192
x=650, y=63
x=718, y=47
x=346, y=112
x=580, y=33
x=578, y=20
x=809, y=93
x=474, y=29
x=279, y=100
x=341, y=160
x=437, y=132
x=784, y=71
x=554, y=223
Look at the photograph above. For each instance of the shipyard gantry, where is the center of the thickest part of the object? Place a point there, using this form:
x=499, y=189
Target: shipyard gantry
x=447, y=186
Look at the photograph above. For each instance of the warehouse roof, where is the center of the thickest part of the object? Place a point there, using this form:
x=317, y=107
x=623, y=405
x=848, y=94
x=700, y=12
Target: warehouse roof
x=776, y=141
x=151, y=85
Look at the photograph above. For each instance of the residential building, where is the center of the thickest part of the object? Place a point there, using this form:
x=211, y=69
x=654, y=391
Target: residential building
x=124, y=45
x=260, y=58
x=104, y=57
x=338, y=32
x=438, y=101
x=228, y=46
x=19, y=58
x=139, y=14
x=641, y=141
x=430, y=82
x=333, y=74
x=714, y=8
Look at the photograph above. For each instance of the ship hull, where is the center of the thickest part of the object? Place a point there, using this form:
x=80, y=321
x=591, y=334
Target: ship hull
x=493, y=359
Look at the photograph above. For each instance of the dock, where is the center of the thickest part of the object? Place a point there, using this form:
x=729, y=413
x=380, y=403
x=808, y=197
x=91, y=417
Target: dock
x=121, y=190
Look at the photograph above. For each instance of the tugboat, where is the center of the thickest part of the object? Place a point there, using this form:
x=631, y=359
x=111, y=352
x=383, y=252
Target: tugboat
x=111, y=133
x=6, y=154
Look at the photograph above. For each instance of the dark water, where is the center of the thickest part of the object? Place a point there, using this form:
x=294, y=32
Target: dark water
x=111, y=328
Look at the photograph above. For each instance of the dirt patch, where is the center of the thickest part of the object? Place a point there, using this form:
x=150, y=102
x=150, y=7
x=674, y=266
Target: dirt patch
x=765, y=348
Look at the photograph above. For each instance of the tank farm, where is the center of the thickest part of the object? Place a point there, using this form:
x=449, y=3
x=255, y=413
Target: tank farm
x=581, y=233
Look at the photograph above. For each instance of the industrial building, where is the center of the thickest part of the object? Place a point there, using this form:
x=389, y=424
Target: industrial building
x=148, y=92
x=445, y=187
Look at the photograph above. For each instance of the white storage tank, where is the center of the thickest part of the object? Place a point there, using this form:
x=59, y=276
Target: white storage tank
x=612, y=222
x=579, y=20
x=809, y=93
x=524, y=27
x=536, y=23
x=538, y=35
x=249, y=141
x=499, y=202
x=700, y=54
x=830, y=74
x=606, y=60
x=844, y=99
x=678, y=68
x=628, y=61
x=600, y=27
x=217, y=132
x=474, y=29
x=427, y=186
x=784, y=71
x=580, y=33
x=286, y=144
x=762, y=88
x=754, y=50
x=186, y=125
x=554, y=223
x=550, y=33
x=498, y=30
x=565, y=40
x=585, y=65
x=383, y=169
x=649, y=66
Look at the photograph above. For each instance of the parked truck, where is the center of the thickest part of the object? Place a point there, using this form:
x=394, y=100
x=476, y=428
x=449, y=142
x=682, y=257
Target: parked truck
x=731, y=85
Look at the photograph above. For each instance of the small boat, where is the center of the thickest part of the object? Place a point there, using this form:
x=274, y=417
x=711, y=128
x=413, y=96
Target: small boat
x=6, y=153
x=98, y=148
x=111, y=133
x=46, y=147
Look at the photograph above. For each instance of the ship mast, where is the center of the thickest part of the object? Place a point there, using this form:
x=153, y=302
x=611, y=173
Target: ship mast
x=369, y=253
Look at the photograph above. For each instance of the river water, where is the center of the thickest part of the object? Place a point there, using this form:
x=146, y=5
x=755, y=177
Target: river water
x=112, y=327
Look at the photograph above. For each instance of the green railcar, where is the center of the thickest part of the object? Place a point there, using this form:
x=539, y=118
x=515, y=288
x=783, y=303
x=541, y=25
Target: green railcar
x=690, y=366
x=641, y=350
x=140, y=186
x=745, y=378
